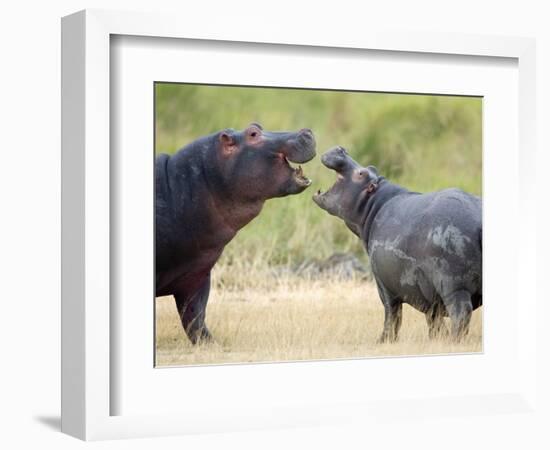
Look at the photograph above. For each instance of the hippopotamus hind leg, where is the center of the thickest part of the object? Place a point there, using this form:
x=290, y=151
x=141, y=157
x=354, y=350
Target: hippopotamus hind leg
x=192, y=311
x=459, y=308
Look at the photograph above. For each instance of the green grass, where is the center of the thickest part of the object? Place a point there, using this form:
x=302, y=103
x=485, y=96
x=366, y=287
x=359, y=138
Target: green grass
x=425, y=143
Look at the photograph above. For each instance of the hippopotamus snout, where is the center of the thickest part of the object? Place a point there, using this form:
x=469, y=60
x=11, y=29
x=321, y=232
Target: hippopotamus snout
x=352, y=180
x=300, y=146
x=338, y=160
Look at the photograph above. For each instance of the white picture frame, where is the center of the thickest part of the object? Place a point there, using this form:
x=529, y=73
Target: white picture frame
x=87, y=326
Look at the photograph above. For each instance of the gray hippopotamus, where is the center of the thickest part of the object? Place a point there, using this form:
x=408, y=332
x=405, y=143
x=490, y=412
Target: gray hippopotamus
x=425, y=249
x=208, y=191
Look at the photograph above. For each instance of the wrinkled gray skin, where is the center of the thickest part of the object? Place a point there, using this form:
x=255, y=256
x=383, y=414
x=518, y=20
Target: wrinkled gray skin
x=425, y=249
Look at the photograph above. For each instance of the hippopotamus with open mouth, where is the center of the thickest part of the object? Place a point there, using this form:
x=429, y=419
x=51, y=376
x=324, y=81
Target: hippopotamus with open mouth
x=208, y=191
x=424, y=249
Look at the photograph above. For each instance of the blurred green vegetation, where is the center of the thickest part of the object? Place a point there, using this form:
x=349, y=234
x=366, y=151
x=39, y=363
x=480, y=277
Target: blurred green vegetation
x=423, y=142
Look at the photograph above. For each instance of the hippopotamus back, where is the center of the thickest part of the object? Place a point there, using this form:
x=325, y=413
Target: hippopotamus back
x=424, y=246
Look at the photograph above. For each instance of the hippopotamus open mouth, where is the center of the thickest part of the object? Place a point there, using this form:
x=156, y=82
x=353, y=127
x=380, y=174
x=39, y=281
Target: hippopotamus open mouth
x=267, y=158
x=299, y=176
x=351, y=180
x=299, y=148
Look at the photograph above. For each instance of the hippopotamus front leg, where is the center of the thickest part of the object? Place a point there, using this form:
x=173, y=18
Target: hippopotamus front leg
x=192, y=311
x=393, y=313
x=459, y=307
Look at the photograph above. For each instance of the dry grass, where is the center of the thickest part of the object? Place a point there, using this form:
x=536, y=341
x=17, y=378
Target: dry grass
x=256, y=316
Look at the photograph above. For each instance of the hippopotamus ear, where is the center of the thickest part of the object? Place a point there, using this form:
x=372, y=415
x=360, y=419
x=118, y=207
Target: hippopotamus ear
x=372, y=176
x=228, y=142
x=369, y=173
x=373, y=172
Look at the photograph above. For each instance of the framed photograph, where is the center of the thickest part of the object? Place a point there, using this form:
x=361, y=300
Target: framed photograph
x=280, y=267
x=266, y=231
